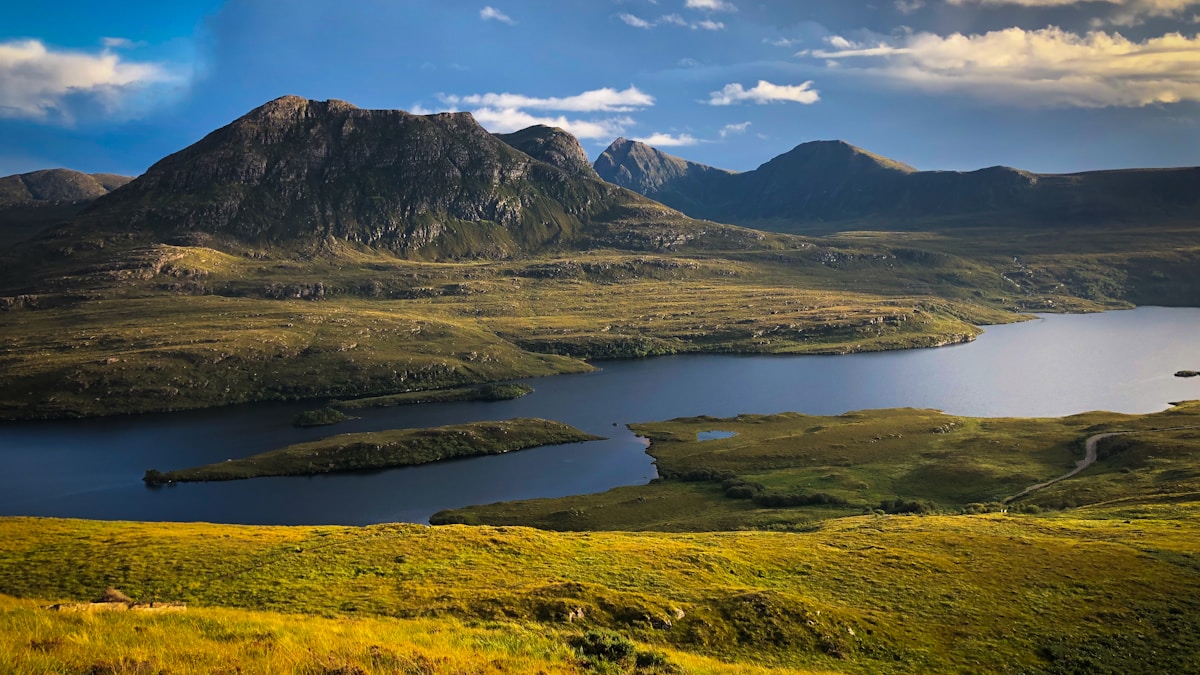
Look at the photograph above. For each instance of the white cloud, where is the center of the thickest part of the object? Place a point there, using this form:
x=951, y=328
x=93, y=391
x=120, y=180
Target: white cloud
x=635, y=21
x=734, y=129
x=663, y=140
x=1129, y=12
x=765, y=92
x=1034, y=68
x=711, y=5
x=505, y=120
x=120, y=43
x=490, y=13
x=40, y=83
x=669, y=20
x=596, y=100
x=907, y=7
x=508, y=112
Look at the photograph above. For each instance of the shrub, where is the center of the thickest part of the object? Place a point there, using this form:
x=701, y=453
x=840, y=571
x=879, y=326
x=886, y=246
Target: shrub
x=604, y=645
x=898, y=505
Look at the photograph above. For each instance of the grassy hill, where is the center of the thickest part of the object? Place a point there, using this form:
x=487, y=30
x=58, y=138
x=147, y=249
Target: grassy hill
x=1069, y=593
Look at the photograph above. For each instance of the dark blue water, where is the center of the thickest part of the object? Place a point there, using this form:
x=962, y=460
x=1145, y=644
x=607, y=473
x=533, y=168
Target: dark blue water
x=1057, y=365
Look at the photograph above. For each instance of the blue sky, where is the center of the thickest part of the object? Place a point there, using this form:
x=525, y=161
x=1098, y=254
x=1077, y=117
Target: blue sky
x=1045, y=85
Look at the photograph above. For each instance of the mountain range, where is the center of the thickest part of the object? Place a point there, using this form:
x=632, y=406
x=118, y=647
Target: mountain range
x=300, y=174
x=826, y=186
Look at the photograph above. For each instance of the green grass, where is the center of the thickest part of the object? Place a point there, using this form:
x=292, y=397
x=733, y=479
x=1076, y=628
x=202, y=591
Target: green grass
x=203, y=641
x=321, y=417
x=869, y=594
x=486, y=392
x=383, y=450
x=790, y=471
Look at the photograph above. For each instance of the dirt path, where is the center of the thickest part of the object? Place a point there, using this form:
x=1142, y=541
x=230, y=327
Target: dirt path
x=1089, y=459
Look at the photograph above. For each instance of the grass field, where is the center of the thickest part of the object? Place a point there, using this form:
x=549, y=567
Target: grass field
x=791, y=471
x=1062, y=593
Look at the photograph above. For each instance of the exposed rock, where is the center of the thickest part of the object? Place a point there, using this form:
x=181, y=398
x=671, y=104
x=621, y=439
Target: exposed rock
x=552, y=146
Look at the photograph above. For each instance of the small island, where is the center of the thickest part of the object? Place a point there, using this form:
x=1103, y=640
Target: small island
x=335, y=411
x=383, y=450
x=1188, y=373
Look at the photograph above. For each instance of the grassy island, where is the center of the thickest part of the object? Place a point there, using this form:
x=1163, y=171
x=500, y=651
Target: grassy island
x=383, y=449
x=486, y=392
x=791, y=471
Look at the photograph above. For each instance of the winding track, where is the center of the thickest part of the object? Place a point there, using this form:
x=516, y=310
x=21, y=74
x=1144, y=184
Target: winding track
x=1089, y=459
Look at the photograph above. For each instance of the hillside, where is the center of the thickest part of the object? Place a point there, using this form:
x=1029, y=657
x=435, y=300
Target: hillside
x=825, y=186
x=32, y=202
x=1084, y=591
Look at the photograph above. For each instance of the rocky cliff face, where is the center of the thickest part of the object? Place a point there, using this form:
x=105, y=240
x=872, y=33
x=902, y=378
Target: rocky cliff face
x=826, y=184
x=552, y=146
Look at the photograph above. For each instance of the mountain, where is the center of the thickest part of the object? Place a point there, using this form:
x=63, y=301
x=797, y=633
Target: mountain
x=297, y=174
x=32, y=202
x=58, y=185
x=827, y=185
x=671, y=180
x=554, y=147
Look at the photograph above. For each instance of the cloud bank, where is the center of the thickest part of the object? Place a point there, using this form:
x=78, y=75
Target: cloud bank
x=57, y=86
x=1129, y=12
x=1049, y=67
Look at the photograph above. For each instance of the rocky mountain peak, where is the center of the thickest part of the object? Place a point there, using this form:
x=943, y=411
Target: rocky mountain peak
x=553, y=146
x=300, y=175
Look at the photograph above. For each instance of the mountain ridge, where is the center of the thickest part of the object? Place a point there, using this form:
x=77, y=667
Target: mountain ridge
x=300, y=173
x=829, y=185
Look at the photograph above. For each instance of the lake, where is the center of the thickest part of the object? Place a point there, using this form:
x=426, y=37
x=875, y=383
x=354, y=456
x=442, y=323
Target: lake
x=1054, y=365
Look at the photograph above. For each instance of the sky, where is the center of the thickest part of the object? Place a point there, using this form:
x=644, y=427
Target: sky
x=1043, y=85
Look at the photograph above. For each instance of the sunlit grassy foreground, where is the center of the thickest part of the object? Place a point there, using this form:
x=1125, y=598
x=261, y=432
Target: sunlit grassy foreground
x=1093, y=591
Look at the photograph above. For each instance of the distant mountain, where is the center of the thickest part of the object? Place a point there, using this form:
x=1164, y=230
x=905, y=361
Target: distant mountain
x=827, y=185
x=671, y=180
x=301, y=174
x=552, y=146
x=58, y=185
x=32, y=202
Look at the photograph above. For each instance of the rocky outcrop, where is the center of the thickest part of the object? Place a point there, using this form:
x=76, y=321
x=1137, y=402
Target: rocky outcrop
x=554, y=147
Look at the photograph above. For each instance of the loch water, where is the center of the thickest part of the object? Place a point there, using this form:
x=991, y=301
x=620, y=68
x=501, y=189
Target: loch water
x=1053, y=365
